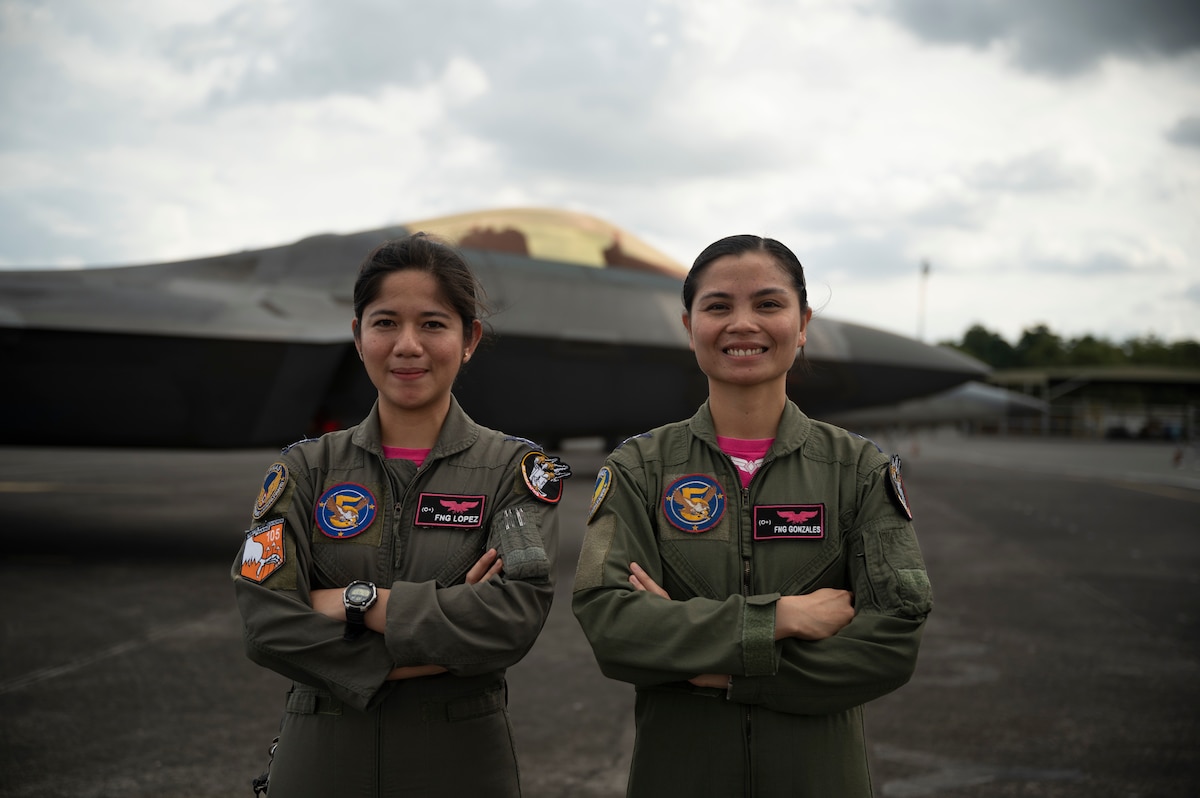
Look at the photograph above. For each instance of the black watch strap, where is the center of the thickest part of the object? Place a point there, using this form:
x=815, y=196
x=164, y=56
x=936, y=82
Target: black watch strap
x=356, y=623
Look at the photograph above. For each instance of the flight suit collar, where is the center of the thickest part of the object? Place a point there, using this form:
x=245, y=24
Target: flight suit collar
x=458, y=432
x=794, y=429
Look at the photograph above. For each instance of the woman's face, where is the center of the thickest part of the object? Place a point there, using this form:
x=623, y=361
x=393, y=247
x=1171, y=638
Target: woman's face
x=412, y=343
x=746, y=323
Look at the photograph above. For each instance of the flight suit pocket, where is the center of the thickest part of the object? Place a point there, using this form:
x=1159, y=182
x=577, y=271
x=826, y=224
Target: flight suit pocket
x=517, y=535
x=896, y=571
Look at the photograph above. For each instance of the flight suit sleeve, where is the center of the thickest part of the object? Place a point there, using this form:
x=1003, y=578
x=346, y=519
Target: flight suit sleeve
x=642, y=638
x=877, y=651
x=272, y=579
x=472, y=629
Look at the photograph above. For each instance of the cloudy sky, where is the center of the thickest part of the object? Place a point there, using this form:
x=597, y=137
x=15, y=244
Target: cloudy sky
x=1043, y=156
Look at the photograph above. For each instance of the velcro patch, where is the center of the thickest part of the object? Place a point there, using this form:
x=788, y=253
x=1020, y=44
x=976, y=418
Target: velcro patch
x=273, y=484
x=444, y=509
x=789, y=522
x=543, y=476
x=263, y=554
x=897, y=483
x=694, y=503
x=345, y=510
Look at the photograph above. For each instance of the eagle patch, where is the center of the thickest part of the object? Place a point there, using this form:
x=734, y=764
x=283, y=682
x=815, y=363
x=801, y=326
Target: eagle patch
x=345, y=510
x=694, y=503
x=262, y=554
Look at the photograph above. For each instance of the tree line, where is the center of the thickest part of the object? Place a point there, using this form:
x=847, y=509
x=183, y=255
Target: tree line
x=1040, y=347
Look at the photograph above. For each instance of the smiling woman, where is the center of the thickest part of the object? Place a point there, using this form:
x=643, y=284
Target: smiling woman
x=395, y=569
x=751, y=568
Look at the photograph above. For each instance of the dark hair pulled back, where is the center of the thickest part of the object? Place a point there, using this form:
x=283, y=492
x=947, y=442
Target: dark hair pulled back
x=738, y=245
x=458, y=285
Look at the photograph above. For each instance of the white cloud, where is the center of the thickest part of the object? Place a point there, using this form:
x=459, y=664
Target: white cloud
x=862, y=135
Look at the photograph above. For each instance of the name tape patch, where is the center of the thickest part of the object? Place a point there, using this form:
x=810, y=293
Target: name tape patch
x=789, y=521
x=447, y=509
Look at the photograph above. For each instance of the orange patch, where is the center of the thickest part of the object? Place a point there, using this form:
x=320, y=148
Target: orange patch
x=263, y=553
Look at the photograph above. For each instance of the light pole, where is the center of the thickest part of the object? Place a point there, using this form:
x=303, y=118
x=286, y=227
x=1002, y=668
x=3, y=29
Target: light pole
x=924, y=280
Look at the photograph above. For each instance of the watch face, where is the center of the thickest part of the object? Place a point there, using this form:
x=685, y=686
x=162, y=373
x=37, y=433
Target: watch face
x=358, y=594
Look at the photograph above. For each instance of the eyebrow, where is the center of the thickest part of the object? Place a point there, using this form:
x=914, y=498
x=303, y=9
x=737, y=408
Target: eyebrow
x=769, y=291
x=425, y=314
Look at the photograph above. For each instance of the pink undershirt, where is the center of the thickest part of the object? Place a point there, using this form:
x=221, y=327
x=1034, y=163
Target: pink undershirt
x=747, y=454
x=398, y=453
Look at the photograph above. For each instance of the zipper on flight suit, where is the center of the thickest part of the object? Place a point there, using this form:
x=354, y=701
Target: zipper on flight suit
x=746, y=582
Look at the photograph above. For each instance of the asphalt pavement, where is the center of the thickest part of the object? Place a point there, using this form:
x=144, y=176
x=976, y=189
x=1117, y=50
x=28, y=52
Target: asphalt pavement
x=1062, y=657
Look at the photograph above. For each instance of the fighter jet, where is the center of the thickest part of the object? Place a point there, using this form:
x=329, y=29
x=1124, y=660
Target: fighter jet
x=254, y=348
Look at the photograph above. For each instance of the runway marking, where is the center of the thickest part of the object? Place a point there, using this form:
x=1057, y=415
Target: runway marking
x=944, y=773
x=53, y=672
x=1166, y=491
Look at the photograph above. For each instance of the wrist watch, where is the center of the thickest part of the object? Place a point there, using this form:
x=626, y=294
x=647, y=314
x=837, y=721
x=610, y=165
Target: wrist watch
x=358, y=597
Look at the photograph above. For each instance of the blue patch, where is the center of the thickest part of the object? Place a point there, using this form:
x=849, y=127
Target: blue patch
x=603, y=483
x=694, y=503
x=345, y=510
x=273, y=484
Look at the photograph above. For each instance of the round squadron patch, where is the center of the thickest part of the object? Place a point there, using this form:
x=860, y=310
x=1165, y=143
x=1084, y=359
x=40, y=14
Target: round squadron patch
x=603, y=483
x=543, y=475
x=345, y=510
x=897, y=482
x=273, y=484
x=694, y=503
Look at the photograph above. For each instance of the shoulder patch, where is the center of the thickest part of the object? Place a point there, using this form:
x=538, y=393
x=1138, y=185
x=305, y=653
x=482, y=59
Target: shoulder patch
x=262, y=553
x=543, y=475
x=694, y=503
x=896, y=481
x=603, y=483
x=273, y=484
x=345, y=510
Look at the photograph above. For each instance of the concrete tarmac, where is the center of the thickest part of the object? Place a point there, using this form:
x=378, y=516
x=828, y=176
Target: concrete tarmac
x=1062, y=657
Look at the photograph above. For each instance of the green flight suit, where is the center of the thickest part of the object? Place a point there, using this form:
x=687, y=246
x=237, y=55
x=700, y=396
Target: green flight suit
x=791, y=722
x=348, y=732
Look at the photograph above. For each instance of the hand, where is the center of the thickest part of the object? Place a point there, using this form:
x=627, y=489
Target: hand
x=414, y=672
x=718, y=680
x=485, y=567
x=328, y=602
x=813, y=616
x=642, y=581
